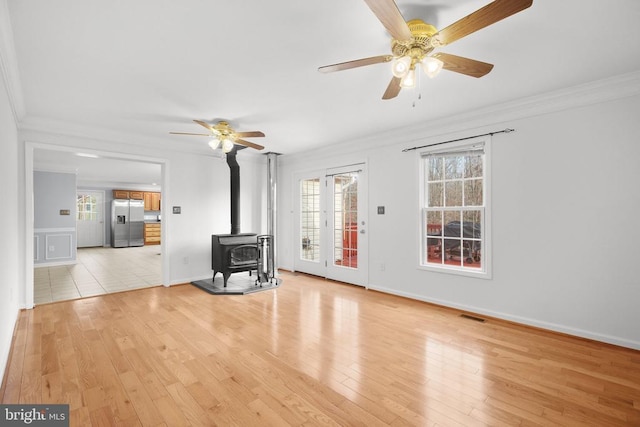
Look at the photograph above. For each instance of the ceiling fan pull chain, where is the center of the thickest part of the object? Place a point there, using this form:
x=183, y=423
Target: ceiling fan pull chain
x=419, y=98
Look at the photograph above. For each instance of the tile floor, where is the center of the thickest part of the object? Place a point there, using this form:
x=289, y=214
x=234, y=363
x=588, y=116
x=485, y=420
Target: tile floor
x=99, y=271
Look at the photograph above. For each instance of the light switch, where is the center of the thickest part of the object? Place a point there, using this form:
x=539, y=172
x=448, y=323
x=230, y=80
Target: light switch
x=380, y=210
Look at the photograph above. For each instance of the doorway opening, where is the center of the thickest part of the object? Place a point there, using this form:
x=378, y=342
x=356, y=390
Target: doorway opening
x=95, y=268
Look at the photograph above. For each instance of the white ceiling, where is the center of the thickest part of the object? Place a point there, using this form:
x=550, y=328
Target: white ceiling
x=147, y=67
x=100, y=171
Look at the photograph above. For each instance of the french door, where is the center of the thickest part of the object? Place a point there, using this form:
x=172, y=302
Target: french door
x=90, y=218
x=331, y=237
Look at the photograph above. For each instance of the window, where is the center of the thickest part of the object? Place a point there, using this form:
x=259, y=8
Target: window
x=310, y=219
x=455, y=222
x=86, y=208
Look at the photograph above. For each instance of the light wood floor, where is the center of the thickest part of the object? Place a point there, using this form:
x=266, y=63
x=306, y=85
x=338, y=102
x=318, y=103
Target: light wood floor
x=312, y=352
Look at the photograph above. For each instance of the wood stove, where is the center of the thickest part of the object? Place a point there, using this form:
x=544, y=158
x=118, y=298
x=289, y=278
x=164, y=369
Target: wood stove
x=233, y=253
x=238, y=252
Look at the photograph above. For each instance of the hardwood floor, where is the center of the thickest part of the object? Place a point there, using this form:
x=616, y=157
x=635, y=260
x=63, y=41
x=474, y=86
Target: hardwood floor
x=312, y=352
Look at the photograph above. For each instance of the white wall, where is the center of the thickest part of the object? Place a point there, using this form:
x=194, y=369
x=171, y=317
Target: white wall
x=9, y=265
x=566, y=196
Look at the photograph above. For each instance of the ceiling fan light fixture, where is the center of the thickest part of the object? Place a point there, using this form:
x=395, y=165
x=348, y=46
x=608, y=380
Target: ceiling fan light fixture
x=214, y=143
x=409, y=80
x=227, y=145
x=401, y=66
x=432, y=66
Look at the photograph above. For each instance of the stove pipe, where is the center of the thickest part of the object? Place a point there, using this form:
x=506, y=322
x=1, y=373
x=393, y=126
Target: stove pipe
x=235, y=190
x=272, y=182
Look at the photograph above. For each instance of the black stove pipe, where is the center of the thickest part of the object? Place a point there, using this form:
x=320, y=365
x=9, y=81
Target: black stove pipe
x=235, y=190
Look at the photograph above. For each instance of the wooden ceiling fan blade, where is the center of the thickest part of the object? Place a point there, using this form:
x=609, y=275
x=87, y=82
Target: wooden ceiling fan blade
x=462, y=65
x=355, y=63
x=250, y=134
x=249, y=144
x=393, y=89
x=481, y=18
x=389, y=15
x=203, y=124
x=188, y=133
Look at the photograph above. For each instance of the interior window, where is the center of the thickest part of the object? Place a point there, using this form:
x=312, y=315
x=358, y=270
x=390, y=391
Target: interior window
x=454, y=208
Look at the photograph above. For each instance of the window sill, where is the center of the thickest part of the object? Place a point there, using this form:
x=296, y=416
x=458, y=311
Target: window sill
x=478, y=274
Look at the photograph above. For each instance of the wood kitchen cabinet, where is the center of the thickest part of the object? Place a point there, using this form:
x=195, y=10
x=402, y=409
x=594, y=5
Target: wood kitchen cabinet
x=152, y=233
x=155, y=201
x=147, y=201
x=151, y=201
x=120, y=194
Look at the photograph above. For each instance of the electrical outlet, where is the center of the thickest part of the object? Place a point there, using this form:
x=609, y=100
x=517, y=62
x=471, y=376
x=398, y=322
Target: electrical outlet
x=52, y=248
x=382, y=266
x=185, y=260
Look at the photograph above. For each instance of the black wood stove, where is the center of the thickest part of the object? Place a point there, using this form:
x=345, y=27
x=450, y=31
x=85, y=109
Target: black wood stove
x=233, y=253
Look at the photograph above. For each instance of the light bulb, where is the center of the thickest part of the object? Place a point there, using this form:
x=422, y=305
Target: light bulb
x=401, y=66
x=214, y=143
x=431, y=66
x=409, y=80
x=227, y=145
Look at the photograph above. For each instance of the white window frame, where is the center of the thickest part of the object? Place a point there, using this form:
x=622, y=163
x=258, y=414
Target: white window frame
x=486, y=271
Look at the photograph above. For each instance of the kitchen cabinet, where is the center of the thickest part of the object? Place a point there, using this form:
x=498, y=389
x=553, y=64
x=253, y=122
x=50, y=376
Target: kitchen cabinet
x=120, y=194
x=155, y=201
x=151, y=201
x=152, y=233
x=147, y=201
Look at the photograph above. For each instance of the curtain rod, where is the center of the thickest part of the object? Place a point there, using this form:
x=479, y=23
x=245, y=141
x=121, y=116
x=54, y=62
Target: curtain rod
x=507, y=130
x=344, y=172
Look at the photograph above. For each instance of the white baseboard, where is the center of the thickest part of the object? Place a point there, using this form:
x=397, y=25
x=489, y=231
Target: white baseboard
x=5, y=347
x=55, y=264
x=609, y=339
x=193, y=279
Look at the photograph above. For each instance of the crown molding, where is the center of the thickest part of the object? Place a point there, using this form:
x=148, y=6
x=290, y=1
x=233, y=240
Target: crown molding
x=9, y=64
x=482, y=119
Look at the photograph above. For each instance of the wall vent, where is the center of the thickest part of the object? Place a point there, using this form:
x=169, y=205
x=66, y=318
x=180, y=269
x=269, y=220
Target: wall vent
x=477, y=319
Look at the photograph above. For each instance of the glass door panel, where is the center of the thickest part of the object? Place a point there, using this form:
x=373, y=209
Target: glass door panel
x=348, y=224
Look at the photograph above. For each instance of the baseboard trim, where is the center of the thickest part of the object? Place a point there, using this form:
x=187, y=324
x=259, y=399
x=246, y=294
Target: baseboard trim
x=554, y=327
x=6, y=357
x=55, y=264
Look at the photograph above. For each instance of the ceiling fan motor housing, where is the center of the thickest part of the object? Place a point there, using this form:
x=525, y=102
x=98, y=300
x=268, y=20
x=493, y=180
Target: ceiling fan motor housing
x=224, y=131
x=419, y=45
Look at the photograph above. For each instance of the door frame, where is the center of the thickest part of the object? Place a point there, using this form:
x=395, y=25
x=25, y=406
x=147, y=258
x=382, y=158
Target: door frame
x=29, y=148
x=321, y=267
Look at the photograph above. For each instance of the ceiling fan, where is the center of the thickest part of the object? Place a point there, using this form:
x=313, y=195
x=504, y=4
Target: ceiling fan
x=413, y=43
x=224, y=136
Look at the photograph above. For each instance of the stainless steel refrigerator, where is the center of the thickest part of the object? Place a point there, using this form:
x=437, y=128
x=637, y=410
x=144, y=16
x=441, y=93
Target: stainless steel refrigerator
x=127, y=223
